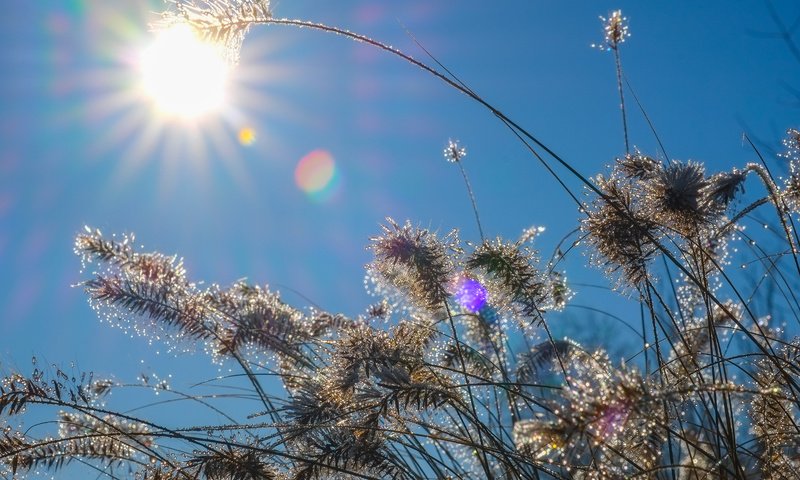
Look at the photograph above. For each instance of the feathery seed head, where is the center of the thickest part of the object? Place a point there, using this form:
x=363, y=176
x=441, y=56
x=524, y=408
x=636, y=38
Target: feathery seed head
x=117, y=437
x=415, y=261
x=791, y=185
x=791, y=189
x=468, y=293
x=773, y=416
x=245, y=463
x=675, y=193
x=615, y=30
x=454, y=152
x=638, y=166
x=540, y=438
x=530, y=234
x=792, y=144
x=723, y=187
x=223, y=23
x=512, y=278
x=620, y=233
x=601, y=413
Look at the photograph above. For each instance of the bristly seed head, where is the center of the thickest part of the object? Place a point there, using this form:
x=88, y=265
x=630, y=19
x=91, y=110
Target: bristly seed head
x=792, y=144
x=415, y=261
x=638, y=166
x=791, y=186
x=620, y=232
x=791, y=190
x=221, y=22
x=674, y=196
x=723, y=187
x=454, y=152
x=513, y=280
x=615, y=31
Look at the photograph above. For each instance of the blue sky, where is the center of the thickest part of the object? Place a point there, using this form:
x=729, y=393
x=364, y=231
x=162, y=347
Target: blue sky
x=78, y=147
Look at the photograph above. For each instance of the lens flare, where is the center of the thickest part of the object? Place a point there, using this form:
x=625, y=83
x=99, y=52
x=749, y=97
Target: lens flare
x=183, y=75
x=469, y=293
x=247, y=136
x=315, y=174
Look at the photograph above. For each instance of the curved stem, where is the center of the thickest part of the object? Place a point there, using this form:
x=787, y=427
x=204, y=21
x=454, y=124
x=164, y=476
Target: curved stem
x=519, y=132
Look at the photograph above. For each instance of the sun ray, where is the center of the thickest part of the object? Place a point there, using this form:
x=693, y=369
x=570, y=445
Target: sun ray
x=148, y=130
x=183, y=75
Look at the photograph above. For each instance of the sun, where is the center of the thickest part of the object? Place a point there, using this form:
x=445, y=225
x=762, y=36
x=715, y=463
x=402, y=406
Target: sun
x=173, y=106
x=184, y=76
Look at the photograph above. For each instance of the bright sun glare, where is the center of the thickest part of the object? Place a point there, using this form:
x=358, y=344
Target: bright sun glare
x=183, y=75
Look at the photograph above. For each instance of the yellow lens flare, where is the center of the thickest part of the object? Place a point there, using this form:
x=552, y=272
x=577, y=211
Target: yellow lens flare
x=183, y=75
x=247, y=136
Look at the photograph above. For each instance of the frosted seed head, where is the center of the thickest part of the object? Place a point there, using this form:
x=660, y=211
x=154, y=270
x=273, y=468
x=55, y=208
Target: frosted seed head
x=454, y=152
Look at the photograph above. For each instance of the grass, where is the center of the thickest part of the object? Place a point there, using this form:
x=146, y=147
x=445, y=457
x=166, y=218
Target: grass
x=454, y=371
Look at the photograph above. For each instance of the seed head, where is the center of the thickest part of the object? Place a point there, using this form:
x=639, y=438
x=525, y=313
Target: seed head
x=615, y=30
x=415, y=261
x=792, y=144
x=222, y=22
x=454, y=152
x=637, y=166
x=512, y=278
x=620, y=233
x=791, y=189
x=723, y=187
x=674, y=196
x=791, y=186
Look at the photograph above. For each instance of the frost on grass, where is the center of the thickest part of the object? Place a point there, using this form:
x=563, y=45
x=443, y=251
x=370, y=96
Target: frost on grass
x=454, y=371
x=220, y=22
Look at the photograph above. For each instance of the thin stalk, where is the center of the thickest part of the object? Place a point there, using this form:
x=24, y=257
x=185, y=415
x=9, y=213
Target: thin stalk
x=472, y=200
x=618, y=63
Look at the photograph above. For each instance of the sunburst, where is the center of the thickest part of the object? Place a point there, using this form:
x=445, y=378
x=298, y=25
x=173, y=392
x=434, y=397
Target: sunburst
x=183, y=75
x=169, y=98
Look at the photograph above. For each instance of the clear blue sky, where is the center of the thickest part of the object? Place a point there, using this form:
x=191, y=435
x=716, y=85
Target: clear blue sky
x=75, y=147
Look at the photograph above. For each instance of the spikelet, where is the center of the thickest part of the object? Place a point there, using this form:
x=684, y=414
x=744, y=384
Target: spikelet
x=615, y=31
x=416, y=262
x=263, y=321
x=792, y=145
x=637, y=166
x=326, y=451
x=602, y=412
x=547, y=354
x=773, y=414
x=723, y=188
x=454, y=152
x=620, y=233
x=513, y=280
x=106, y=433
x=108, y=439
x=540, y=438
x=230, y=463
x=674, y=197
x=221, y=22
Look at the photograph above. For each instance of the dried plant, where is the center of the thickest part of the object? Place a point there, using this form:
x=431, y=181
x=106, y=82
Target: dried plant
x=454, y=371
x=222, y=22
